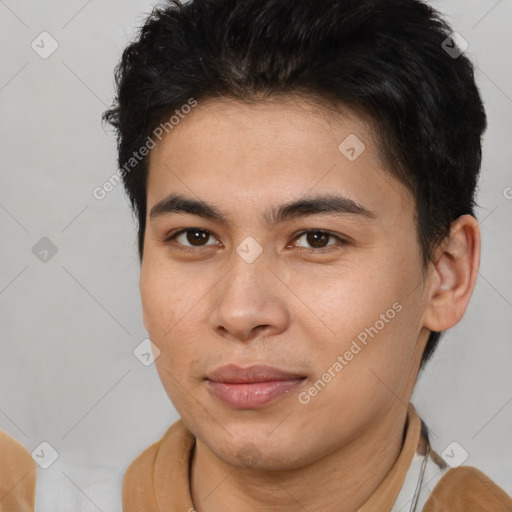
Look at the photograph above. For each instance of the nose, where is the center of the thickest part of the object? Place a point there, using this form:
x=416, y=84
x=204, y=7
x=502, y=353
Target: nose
x=251, y=302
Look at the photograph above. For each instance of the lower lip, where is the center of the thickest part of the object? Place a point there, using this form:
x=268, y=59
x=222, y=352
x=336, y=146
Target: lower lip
x=252, y=395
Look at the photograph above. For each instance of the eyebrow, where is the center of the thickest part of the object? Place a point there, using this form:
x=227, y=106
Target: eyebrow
x=308, y=206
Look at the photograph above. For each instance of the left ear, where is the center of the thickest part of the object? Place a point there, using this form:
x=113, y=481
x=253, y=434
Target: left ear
x=452, y=275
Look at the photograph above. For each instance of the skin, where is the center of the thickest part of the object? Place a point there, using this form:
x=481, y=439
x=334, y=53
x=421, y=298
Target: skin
x=298, y=306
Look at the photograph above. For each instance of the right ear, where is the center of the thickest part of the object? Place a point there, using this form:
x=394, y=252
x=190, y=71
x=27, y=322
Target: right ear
x=455, y=271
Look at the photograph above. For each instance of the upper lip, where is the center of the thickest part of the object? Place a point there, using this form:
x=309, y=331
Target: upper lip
x=232, y=373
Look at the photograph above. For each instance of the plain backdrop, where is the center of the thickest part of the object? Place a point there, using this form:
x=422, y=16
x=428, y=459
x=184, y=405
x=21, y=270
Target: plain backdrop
x=70, y=321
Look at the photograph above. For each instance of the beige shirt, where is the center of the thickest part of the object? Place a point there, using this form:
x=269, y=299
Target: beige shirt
x=17, y=476
x=158, y=479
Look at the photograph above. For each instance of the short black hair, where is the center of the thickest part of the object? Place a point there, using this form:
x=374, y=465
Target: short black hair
x=389, y=60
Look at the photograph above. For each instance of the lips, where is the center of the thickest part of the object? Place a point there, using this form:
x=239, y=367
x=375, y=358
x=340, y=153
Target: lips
x=257, y=373
x=252, y=387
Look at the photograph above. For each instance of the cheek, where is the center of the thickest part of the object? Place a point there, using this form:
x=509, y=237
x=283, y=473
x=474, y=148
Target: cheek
x=166, y=321
x=369, y=319
x=360, y=380
x=344, y=301
x=386, y=326
x=171, y=308
x=166, y=298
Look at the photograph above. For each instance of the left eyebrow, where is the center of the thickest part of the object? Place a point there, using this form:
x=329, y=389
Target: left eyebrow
x=305, y=207
x=326, y=204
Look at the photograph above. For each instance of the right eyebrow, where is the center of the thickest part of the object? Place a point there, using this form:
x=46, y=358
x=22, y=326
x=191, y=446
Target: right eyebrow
x=175, y=203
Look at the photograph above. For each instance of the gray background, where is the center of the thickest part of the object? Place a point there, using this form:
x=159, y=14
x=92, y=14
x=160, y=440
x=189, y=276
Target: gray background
x=68, y=375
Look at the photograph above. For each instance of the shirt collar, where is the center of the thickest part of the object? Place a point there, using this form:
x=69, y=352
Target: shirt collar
x=384, y=497
x=166, y=471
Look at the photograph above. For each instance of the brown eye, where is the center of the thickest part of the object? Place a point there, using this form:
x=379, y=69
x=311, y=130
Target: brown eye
x=192, y=237
x=317, y=239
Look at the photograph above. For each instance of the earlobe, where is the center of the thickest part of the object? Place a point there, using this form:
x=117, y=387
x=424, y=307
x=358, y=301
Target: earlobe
x=453, y=275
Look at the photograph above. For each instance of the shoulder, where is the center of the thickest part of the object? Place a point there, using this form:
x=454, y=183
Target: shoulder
x=17, y=476
x=467, y=489
x=138, y=481
x=156, y=463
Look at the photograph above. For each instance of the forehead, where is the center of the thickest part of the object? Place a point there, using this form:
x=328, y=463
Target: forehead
x=282, y=123
x=269, y=150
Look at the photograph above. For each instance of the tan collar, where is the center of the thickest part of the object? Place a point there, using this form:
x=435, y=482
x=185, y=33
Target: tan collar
x=158, y=479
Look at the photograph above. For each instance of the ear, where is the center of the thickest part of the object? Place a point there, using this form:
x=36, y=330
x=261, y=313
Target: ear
x=452, y=275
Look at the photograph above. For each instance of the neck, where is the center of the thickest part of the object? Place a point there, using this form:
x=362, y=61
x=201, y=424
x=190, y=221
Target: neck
x=348, y=476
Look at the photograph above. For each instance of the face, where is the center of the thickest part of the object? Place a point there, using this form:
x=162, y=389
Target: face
x=287, y=250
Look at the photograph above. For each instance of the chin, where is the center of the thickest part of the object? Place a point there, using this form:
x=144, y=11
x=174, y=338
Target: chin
x=259, y=452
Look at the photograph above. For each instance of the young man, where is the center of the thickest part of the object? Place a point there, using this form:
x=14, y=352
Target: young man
x=303, y=174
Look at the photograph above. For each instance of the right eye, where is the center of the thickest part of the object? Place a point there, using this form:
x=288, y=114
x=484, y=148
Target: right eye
x=190, y=237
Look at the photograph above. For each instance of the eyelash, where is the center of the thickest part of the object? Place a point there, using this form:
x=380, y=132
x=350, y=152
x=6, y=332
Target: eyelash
x=172, y=236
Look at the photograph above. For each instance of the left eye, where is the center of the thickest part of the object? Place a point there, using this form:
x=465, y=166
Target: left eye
x=317, y=239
